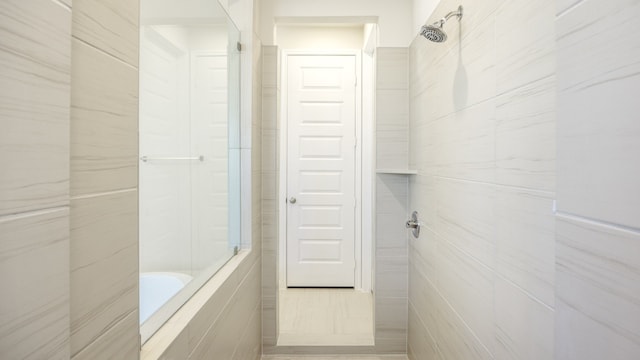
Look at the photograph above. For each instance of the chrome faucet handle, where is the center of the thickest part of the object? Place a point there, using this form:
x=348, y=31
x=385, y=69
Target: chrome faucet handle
x=414, y=224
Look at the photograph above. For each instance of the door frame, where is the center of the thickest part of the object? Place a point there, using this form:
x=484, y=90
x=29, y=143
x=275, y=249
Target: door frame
x=360, y=272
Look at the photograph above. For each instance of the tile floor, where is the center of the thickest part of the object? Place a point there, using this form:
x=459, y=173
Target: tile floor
x=336, y=357
x=319, y=317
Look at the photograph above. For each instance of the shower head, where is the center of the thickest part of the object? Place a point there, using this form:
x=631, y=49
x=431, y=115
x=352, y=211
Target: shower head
x=435, y=32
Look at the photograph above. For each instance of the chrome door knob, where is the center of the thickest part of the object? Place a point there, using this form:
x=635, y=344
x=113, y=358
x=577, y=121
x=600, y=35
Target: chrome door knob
x=292, y=200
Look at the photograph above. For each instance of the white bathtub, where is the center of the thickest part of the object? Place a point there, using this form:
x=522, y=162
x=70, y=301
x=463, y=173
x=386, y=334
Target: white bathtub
x=158, y=287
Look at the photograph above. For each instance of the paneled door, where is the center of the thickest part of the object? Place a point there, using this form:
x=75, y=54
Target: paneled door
x=321, y=164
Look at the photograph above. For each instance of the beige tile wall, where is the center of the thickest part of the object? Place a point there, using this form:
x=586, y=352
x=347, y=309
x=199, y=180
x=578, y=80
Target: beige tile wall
x=35, y=66
x=270, y=172
x=391, y=201
x=104, y=180
x=482, y=137
x=598, y=223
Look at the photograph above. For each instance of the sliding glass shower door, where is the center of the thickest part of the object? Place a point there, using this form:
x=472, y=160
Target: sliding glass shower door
x=189, y=153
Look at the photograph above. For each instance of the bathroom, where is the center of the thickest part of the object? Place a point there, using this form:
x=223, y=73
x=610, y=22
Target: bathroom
x=514, y=140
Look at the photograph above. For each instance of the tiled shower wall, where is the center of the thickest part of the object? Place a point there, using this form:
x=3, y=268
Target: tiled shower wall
x=482, y=273
x=391, y=200
x=104, y=180
x=497, y=274
x=35, y=58
x=598, y=222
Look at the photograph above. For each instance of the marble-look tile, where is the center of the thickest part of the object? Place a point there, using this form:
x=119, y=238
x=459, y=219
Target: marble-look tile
x=34, y=276
x=178, y=349
x=420, y=344
x=211, y=309
x=104, y=265
x=269, y=154
x=392, y=129
x=423, y=145
x=334, y=357
x=525, y=241
x=221, y=339
x=391, y=194
x=270, y=67
x=120, y=342
x=390, y=346
x=598, y=127
x=104, y=123
x=467, y=287
x=391, y=314
x=269, y=108
x=525, y=42
x=391, y=236
x=598, y=291
x=250, y=344
x=111, y=26
x=466, y=144
x=392, y=68
x=465, y=77
x=34, y=114
x=562, y=6
x=421, y=294
x=423, y=253
x=453, y=337
x=423, y=198
x=391, y=276
x=466, y=217
x=269, y=318
x=522, y=325
x=322, y=317
x=525, y=136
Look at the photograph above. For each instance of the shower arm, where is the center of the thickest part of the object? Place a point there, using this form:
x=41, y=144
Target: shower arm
x=451, y=14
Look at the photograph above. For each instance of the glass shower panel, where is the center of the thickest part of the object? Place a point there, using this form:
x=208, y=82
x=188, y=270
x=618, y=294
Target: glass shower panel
x=189, y=157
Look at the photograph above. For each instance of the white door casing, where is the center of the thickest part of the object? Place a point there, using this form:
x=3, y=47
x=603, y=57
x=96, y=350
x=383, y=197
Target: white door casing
x=321, y=114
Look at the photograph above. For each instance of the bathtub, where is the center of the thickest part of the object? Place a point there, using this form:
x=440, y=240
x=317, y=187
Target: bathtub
x=158, y=287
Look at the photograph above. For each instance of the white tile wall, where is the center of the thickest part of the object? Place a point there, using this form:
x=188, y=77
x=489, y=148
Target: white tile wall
x=482, y=125
x=597, y=112
x=598, y=296
x=598, y=226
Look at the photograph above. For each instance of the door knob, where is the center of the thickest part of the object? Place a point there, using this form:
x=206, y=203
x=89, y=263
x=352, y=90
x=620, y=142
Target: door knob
x=292, y=200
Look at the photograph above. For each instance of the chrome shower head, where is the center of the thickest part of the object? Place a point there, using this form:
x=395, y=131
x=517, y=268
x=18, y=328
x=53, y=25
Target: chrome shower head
x=435, y=32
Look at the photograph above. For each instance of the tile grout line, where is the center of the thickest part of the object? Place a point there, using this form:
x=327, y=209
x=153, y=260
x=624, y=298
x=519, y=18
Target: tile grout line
x=105, y=193
x=597, y=222
x=32, y=213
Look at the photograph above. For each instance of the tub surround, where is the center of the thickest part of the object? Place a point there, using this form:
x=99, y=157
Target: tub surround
x=35, y=85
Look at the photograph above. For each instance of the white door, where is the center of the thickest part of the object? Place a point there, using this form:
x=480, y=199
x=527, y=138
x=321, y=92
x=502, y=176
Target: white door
x=321, y=115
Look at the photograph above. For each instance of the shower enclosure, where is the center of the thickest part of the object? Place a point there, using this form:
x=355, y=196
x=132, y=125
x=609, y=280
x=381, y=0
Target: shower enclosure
x=189, y=151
